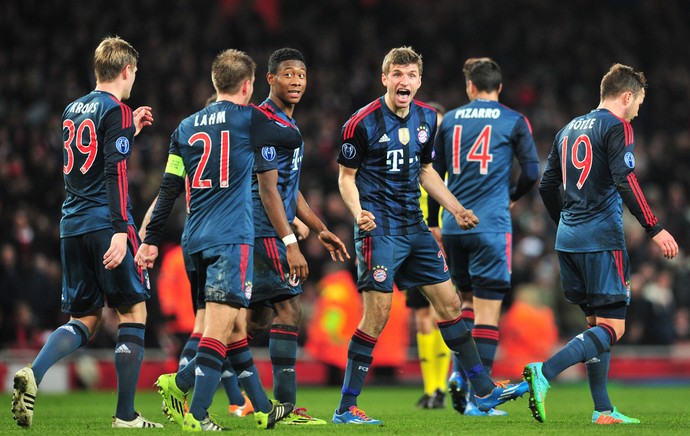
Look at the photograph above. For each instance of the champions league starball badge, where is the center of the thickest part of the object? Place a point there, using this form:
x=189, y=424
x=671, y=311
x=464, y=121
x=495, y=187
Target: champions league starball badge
x=629, y=159
x=268, y=153
x=349, y=150
x=122, y=145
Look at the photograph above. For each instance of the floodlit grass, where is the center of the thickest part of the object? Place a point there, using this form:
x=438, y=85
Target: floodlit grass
x=662, y=410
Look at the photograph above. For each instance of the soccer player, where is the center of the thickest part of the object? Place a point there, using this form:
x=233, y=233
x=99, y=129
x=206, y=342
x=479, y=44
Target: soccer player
x=98, y=236
x=215, y=147
x=386, y=153
x=434, y=355
x=475, y=148
x=279, y=266
x=238, y=403
x=593, y=161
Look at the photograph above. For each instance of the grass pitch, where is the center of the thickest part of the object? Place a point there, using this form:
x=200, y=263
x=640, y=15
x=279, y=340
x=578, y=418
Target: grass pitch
x=662, y=410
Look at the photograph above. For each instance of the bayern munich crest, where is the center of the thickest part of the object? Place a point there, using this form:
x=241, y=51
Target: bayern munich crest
x=248, y=290
x=423, y=134
x=379, y=273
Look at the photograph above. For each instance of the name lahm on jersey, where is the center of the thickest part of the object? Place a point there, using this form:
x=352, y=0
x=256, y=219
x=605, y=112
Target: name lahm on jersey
x=214, y=118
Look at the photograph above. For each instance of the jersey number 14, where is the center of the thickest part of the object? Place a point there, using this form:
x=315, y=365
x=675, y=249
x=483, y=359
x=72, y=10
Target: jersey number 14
x=479, y=151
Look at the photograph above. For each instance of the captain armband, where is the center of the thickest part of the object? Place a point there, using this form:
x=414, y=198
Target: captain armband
x=175, y=166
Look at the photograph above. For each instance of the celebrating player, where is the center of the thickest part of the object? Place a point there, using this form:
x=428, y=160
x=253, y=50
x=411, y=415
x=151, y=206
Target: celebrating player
x=386, y=153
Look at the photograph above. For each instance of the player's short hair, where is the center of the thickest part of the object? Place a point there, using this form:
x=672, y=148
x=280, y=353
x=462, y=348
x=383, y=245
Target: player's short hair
x=111, y=56
x=401, y=56
x=484, y=73
x=230, y=69
x=619, y=79
x=282, y=55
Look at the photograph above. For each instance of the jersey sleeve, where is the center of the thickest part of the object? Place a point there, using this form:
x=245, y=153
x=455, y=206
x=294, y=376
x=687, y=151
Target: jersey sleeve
x=267, y=129
x=171, y=187
x=428, y=148
x=118, y=138
x=550, y=185
x=439, y=164
x=265, y=159
x=354, y=146
x=526, y=153
x=620, y=145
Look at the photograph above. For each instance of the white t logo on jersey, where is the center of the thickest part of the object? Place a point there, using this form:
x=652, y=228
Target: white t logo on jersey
x=394, y=159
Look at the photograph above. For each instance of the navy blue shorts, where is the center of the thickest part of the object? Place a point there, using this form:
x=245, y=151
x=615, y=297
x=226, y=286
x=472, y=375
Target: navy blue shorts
x=480, y=263
x=595, y=279
x=225, y=274
x=87, y=285
x=271, y=272
x=409, y=260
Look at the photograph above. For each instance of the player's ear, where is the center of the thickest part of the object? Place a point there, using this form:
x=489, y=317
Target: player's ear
x=384, y=80
x=270, y=78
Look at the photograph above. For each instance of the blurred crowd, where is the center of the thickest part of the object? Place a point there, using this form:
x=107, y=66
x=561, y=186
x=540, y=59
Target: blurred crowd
x=553, y=57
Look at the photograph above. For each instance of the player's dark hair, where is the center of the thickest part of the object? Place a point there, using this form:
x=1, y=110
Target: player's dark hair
x=230, y=69
x=111, y=56
x=282, y=55
x=484, y=73
x=401, y=56
x=619, y=79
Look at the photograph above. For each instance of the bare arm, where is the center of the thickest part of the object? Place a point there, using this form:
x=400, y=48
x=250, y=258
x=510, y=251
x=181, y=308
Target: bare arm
x=350, y=194
x=434, y=186
x=147, y=219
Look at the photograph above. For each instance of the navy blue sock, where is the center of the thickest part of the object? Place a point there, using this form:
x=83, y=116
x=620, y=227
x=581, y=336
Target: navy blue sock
x=359, y=358
x=597, y=376
x=247, y=374
x=185, y=377
x=129, y=353
x=486, y=337
x=467, y=315
x=189, y=350
x=459, y=339
x=63, y=341
x=581, y=348
x=230, y=384
x=209, y=361
x=282, y=348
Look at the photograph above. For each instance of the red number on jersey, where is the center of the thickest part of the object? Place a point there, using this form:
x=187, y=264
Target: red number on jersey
x=584, y=164
x=197, y=181
x=90, y=148
x=479, y=152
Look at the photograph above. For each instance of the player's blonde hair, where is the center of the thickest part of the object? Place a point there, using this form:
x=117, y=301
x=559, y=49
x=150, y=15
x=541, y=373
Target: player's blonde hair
x=619, y=79
x=401, y=56
x=111, y=56
x=230, y=69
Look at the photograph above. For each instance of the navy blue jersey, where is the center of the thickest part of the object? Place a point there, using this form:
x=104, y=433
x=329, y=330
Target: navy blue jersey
x=97, y=133
x=216, y=147
x=475, y=147
x=592, y=162
x=388, y=152
x=288, y=163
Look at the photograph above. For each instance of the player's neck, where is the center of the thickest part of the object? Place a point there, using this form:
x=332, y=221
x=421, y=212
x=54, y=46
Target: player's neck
x=111, y=88
x=613, y=106
x=288, y=109
x=237, y=98
x=399, y=111
x=483, y=95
